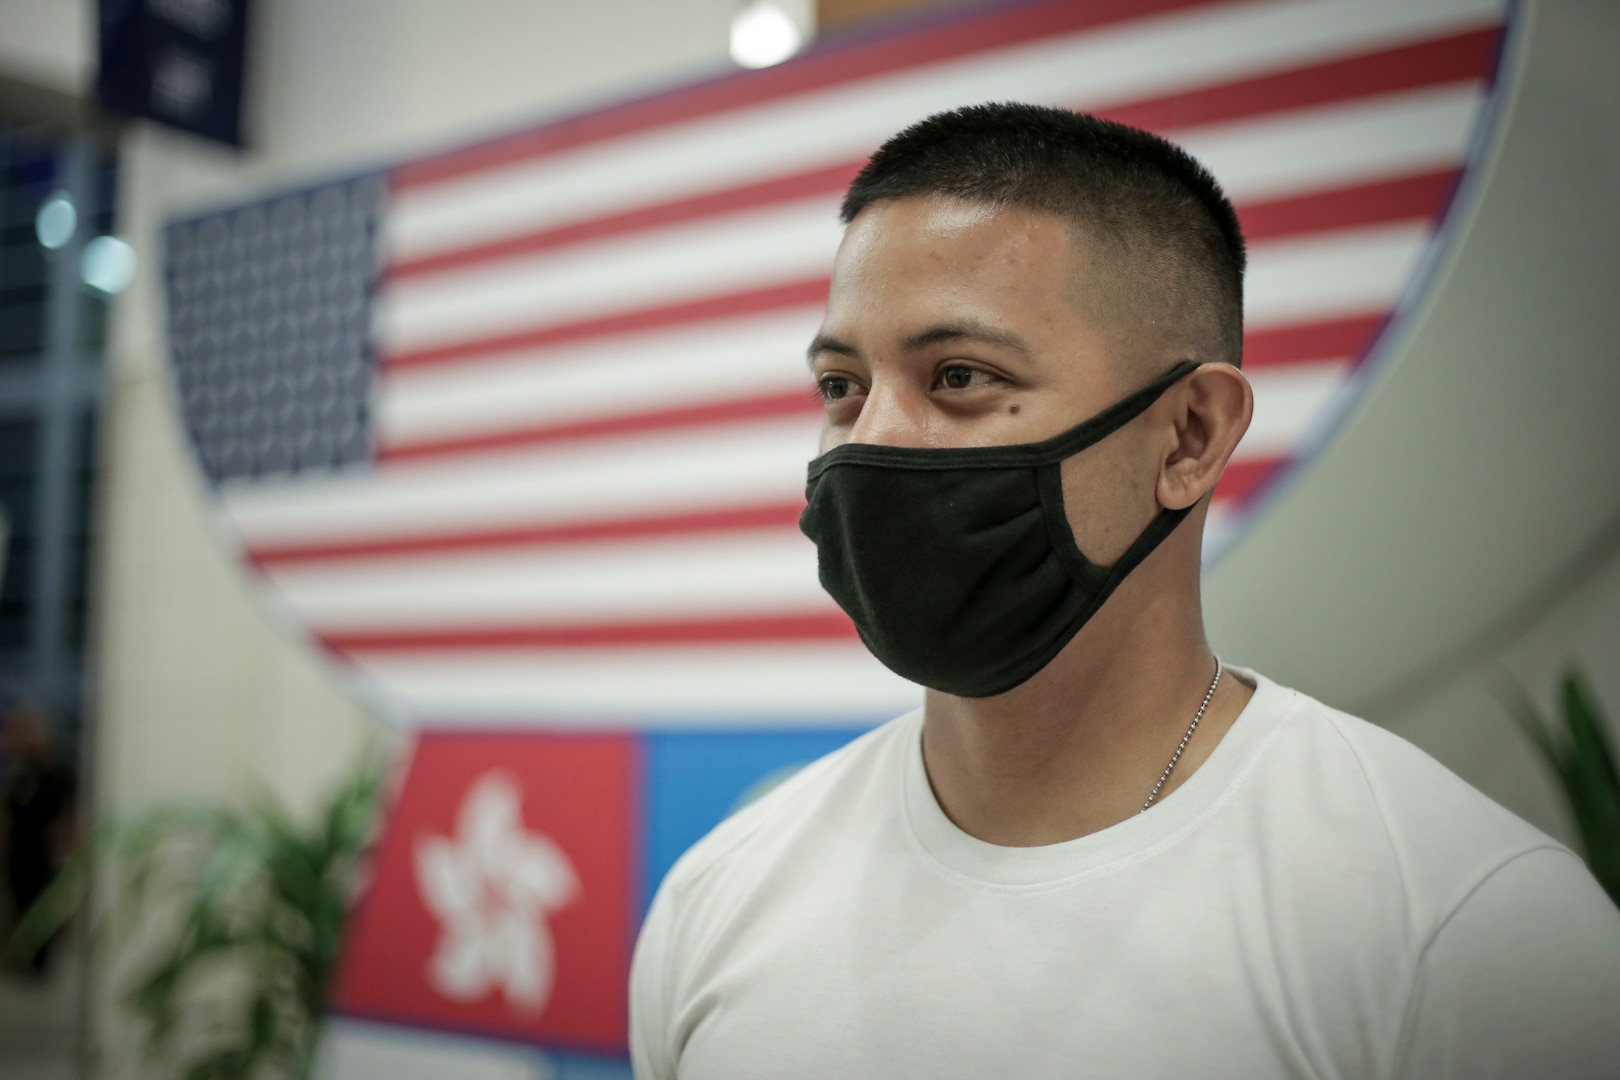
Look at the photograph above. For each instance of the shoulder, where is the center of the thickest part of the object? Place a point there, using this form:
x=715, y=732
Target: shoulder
x=765, y=854
x=1520, y=979
x=841, y=786
x=769, y=852
x=1444, y=836
x=1511, y=950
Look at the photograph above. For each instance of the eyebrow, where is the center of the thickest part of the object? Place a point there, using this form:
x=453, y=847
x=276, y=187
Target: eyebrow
x=938, y=334
x=966, y=330
x=822, y=343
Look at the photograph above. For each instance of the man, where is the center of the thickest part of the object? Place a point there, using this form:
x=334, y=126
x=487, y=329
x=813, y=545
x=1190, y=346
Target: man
x=1094, y=851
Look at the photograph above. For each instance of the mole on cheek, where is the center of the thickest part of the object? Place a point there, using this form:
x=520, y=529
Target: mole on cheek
x=1012, y=408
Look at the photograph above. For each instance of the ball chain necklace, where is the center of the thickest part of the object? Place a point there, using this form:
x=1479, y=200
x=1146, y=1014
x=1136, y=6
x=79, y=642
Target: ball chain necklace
x=1192, y=727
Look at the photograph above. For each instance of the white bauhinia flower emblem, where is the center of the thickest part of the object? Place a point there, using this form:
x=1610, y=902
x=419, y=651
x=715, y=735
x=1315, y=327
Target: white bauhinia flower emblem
x=491, y=887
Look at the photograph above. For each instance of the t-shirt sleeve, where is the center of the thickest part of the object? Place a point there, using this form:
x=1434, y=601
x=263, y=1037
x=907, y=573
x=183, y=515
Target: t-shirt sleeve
x=651, y=993
x=1522, y=980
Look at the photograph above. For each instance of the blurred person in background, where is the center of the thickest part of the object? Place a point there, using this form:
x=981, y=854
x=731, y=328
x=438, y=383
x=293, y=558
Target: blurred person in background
x=37, y=793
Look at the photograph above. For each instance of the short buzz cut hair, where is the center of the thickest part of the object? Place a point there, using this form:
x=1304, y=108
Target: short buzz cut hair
x=1161, y=230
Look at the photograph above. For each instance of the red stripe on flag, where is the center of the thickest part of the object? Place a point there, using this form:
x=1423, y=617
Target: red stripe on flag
x=768, y=516
x=1432, y=63
x=1460, y=57
x=725, y=306
x=1243, y=478
x=734, y=630
x=1266, y=348
x=1409, y=197
x=1331, y=340
x=829, y=64
x=1238, y=479
x=792, y=403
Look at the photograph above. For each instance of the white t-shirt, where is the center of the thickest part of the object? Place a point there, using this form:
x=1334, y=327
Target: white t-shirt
x=1319, y=899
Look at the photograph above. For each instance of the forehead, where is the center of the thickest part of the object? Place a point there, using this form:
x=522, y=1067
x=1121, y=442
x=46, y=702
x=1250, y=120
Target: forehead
x=905, y=264
x=941, y=236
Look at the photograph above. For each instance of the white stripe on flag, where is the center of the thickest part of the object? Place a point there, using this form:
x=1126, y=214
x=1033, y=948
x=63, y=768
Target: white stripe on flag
x=1322, y=275
x=667, y=472
x=682, y=262
x=1221, y=527
x=1287, y=402
x=751, y=573
x=1338, y=145
x=667, y=686
x=663, y=369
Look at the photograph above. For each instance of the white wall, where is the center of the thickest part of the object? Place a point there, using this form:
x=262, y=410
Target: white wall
x=1477, y=475
x=198, y=684
x=49, y=43
x=1460, y=719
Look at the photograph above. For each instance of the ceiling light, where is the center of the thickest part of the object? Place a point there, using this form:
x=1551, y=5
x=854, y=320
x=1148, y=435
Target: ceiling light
x=763, y=34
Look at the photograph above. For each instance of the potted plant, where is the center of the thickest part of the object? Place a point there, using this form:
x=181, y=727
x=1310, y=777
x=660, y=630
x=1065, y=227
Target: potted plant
x=237, y=890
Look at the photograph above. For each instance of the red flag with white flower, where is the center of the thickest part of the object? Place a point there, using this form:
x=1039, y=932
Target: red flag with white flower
x=503, y=898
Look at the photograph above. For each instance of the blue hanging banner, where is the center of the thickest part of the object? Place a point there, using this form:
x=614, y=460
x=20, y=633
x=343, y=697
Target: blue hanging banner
x=178, y=62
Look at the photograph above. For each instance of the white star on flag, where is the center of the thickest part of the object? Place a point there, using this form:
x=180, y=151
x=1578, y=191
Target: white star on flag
x=491, y=887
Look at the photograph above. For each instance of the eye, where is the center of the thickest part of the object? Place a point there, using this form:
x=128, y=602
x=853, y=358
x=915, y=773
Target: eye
x=832, y=388
x=961, y=377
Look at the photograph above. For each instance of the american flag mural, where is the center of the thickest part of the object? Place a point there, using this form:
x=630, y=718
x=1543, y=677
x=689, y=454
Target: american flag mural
x=521, y=429
x=517, y=433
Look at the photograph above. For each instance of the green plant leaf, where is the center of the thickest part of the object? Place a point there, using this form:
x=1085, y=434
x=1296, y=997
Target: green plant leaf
x=1599, y=817
x=52, y=909
x=1586, y=729
x=261, y=1028
x=226, y=1063
x=1581, y=757
x=1529, y=719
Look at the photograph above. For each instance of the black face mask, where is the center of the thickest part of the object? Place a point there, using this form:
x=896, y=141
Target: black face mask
x=958, y=566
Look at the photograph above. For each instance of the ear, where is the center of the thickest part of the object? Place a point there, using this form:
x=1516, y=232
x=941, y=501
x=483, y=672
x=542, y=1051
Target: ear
x=1209, y=412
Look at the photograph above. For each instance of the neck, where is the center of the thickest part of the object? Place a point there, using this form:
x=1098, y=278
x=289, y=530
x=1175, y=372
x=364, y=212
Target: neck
x=1078, y=747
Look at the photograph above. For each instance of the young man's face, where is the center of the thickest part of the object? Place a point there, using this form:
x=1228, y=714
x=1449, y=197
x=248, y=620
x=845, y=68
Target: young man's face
x=957, y=324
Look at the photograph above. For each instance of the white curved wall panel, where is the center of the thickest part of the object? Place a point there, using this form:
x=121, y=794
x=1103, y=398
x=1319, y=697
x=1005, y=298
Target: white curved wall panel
x=1480, y=461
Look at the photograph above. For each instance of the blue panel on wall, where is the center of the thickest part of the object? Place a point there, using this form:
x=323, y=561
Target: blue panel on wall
x=586, y=1067
x=695, y=779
